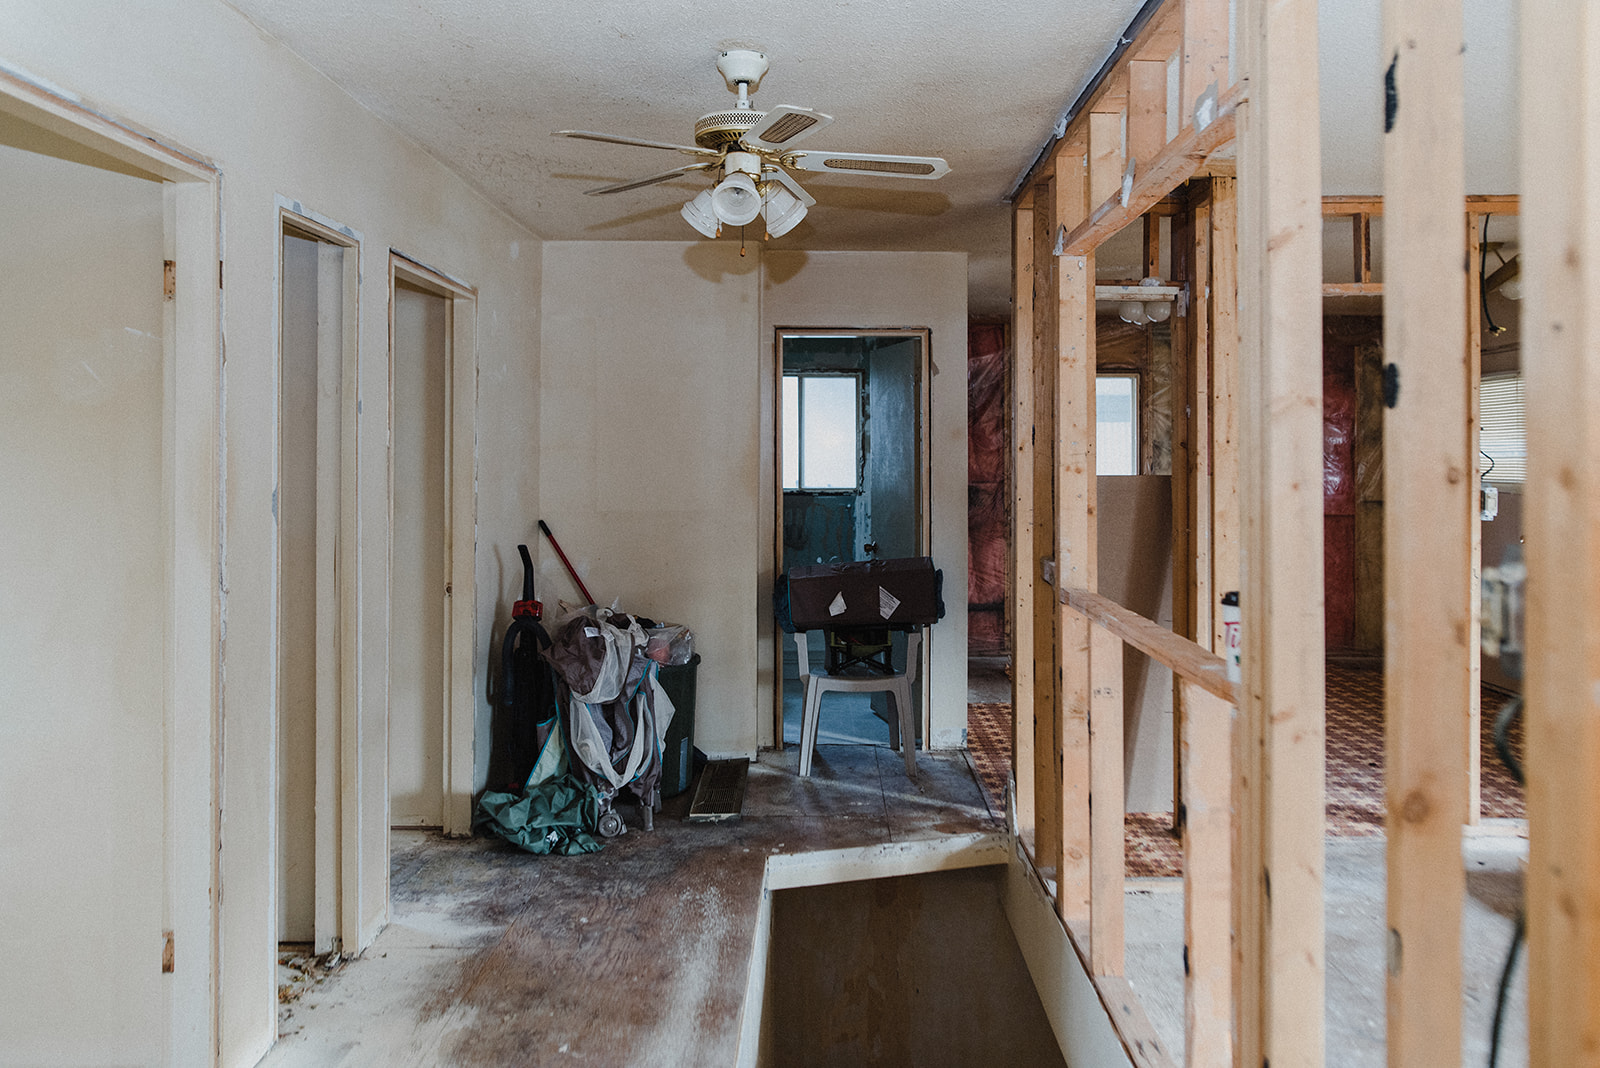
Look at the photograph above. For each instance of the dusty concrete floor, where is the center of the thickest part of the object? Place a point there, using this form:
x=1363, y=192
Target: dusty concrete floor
x=636, y=955
x=1354, y=917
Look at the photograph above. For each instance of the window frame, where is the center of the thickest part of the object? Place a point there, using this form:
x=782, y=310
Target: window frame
x=1137, y=422
x=800, y=429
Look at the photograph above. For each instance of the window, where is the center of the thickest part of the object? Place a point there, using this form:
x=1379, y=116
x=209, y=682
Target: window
x=1502, y=429
x=821, y=432
x=1116, y=424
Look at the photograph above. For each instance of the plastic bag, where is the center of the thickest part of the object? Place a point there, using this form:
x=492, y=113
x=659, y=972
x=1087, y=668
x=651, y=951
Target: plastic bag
x=670, y=644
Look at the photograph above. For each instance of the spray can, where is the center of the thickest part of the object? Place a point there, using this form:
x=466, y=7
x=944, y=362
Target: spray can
x=1230, y=634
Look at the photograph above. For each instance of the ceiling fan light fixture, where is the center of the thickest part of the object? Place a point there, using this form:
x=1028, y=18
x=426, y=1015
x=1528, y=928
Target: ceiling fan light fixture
x=698, y=214
x=784, y=210
x=735, y=200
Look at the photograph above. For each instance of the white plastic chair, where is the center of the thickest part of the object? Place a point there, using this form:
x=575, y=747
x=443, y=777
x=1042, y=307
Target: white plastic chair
x=897, y=685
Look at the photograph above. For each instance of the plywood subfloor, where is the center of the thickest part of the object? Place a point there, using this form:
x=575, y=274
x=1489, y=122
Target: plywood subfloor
x=636, y=955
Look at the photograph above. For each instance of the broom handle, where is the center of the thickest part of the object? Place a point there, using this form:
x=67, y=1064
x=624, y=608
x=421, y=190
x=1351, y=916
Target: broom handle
x=556, y=545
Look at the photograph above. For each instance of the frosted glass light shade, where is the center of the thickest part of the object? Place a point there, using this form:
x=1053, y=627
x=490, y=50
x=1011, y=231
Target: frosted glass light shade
x=698, y=214
x=784, y=210
x=735, y=200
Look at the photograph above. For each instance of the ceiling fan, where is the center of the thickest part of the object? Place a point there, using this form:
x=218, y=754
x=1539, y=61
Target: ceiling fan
x=750, y=153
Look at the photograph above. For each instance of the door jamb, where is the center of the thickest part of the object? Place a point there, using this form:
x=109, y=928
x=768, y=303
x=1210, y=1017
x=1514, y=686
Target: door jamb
x=924, y=497
x=338, y=841
x=192, y=521
x=460, y=652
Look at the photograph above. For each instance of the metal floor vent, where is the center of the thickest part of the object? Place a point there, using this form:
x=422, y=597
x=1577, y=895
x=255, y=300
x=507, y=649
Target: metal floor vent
x=720, y=795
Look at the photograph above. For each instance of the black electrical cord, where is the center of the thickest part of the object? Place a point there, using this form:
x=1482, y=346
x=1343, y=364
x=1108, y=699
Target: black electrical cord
x=1502, y=744
x=1486, y=470
x=1483, y=271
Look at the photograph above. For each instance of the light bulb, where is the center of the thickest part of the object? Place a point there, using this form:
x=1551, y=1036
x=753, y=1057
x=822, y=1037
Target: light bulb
x=735, y=200
x=1158, y=311
x=1132, y=311
x=1512, y=290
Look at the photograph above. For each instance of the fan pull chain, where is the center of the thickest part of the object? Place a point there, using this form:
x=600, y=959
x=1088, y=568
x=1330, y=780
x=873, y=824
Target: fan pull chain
x=741, y=241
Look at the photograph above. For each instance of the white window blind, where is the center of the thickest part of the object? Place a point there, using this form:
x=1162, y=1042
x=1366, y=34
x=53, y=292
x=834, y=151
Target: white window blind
x=1503, y=429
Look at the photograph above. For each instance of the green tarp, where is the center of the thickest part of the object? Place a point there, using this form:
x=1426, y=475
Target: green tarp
x=554, y=816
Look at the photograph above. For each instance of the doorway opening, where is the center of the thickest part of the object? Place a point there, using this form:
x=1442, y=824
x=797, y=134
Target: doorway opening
x=433, y=397
x=317, y=639
x=852, y=481
x=108, y=390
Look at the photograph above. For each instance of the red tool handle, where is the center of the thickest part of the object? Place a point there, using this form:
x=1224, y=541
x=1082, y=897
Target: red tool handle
x=556, y=545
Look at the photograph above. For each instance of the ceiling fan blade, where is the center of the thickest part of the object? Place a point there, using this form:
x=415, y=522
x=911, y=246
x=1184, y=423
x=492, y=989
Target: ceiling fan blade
x=664, y=176
x=870, y=163
x=614, y=139
x=788, y=182
x=785, y=125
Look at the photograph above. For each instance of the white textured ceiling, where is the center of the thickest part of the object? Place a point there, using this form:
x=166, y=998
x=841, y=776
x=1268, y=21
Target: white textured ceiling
x=482, y=83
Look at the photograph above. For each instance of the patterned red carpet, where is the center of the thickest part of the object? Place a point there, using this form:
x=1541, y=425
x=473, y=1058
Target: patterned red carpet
x=1354, y=768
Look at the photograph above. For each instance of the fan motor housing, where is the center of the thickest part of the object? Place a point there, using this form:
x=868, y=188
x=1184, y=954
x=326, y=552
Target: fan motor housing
x=723, y=128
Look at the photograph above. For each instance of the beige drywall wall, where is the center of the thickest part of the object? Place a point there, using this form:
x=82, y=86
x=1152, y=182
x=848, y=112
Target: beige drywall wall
x=197, y=74
x=882, y=289
x=648, y=450
x=1134, y=550
x=416, y=637
x=656, y=452
x=82, y=615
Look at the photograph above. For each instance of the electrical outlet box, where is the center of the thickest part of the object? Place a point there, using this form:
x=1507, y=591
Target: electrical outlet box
x=1488, y=502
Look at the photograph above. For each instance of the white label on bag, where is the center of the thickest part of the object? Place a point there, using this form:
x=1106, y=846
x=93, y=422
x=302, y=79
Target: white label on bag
x=887, y=603
x=591, y=632
x=837, y=606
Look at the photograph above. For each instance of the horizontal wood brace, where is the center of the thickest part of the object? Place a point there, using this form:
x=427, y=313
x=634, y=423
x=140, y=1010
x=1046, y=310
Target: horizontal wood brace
x=1186, y=659
x=1177, y=163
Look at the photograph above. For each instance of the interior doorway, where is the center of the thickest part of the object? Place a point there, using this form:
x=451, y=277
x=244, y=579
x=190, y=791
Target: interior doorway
x=852, y=485
x=107, y=407
x=418, y=603
x=433, y=736
x=317, y=630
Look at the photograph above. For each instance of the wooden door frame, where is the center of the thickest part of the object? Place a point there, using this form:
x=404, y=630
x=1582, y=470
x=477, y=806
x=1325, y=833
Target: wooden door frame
x=191, y=511
x=924, y=496
x=460, y=651
x=339, y=873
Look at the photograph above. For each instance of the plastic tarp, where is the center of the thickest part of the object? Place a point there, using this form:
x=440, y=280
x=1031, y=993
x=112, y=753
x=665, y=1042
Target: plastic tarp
x=549, y=817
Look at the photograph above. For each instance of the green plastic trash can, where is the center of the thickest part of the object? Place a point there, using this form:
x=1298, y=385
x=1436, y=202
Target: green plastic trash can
x=677, y=750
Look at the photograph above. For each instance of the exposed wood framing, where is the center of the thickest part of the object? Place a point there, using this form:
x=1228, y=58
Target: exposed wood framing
x=1473, y=354
x=1184, y=504
x=1198, y=399
x=1075, y=529
x=1147, y=109
x=1179, y=161
x=1047, y=737
x=1205, y=54
x=1188, y=661
x=1279, y=763
x=1560, y=236
x=1024, y=561
x=1207, y=876
x=1427, y=490
x=1106, y=854
x=1224, y=305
